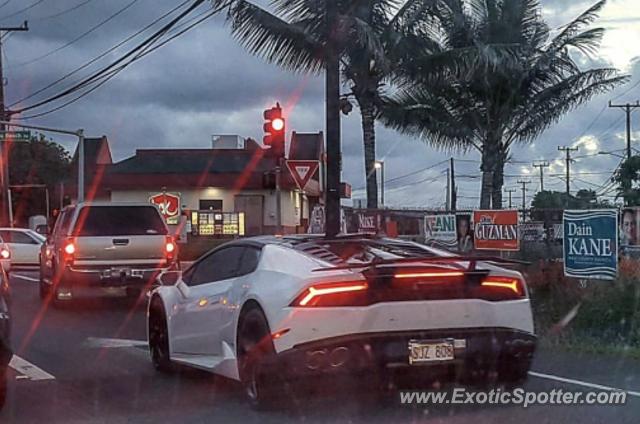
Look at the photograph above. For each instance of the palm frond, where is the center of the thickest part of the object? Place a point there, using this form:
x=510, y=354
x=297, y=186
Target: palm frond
x=574, y=27
x=552, y=103
x=295, y=46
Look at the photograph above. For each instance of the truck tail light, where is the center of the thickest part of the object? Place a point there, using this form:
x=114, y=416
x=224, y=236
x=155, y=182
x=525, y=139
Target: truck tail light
x=331, y=294
x=170, y=248
x=69, y=251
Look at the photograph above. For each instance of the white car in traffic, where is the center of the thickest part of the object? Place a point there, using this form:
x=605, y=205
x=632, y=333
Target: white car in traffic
x=270, y=311
x=24, y=245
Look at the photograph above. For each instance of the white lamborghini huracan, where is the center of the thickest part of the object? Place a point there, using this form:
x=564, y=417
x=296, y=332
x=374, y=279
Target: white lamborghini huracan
x=271, y=310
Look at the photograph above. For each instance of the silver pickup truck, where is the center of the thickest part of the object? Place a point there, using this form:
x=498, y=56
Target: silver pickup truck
x=105, y=245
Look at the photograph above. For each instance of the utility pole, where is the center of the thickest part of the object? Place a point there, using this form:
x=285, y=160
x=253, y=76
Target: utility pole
x=541, y=166
x=454, y=190
x=510, y=191
x=568, y=160
x=332, y=99
x=524, y=197
x=4, y=153
x=628, y=108
x=448, y=194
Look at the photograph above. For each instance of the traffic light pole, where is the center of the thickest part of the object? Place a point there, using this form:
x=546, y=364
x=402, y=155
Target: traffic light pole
x=279, y=229
x=78, y=133
x=4, y=154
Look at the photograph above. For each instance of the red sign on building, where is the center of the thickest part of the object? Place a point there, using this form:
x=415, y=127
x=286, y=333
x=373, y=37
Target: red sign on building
x=169, y=205
x=496, y=230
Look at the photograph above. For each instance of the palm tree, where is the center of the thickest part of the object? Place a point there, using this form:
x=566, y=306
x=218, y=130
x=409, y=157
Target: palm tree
x=529, y=82
x=374, y=38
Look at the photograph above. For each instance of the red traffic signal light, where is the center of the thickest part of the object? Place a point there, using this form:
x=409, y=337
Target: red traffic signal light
x=274, y=129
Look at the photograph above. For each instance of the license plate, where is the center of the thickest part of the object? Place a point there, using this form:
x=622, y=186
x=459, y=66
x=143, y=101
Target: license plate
x=118, y=273
x=430, y=351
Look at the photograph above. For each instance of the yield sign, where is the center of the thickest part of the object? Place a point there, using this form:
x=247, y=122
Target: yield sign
x=302, y=171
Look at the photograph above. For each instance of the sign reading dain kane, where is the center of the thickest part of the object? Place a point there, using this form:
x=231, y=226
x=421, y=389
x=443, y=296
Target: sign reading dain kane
x=591, y=244
x=496, y=230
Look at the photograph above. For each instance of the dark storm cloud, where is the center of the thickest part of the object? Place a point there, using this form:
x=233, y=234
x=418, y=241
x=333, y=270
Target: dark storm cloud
x=205, y=83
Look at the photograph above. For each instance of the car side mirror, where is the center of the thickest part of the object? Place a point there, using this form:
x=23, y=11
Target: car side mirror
x=170, y=278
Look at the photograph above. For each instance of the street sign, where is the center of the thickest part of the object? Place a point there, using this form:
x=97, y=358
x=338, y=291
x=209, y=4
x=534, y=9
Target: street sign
x=302, y=171
x=15, y=135
x=591, y=244
x=169, y=205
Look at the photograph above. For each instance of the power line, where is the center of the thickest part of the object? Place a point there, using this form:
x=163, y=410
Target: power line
x=5, y=3
x=105, y=53
x=96, y=76
x=78, y=38
x=31, y=6
x=112, y=73
x=63, y=12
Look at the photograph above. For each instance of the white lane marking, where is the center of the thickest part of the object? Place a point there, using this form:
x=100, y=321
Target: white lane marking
x=98, y=342
x=582, y=383
x=24, y=277
x=29, y=370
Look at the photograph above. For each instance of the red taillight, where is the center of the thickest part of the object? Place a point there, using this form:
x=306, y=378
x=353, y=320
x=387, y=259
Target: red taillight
x=5, y=253
x=508, y=284
x=69, y=251
x=170, y=248
x=329, y=294
x=431, y=274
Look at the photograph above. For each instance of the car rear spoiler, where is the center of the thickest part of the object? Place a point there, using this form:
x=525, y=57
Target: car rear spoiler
x=473, y=261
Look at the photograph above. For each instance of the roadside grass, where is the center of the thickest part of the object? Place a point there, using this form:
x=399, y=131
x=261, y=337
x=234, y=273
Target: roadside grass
x=599, y=317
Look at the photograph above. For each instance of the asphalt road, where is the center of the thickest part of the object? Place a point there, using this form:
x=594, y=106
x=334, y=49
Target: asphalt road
x=89, y=363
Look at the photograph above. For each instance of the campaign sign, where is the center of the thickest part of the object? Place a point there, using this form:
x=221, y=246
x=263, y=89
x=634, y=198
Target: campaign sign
x=441, y=228
x=496, y=230
x=591, y=244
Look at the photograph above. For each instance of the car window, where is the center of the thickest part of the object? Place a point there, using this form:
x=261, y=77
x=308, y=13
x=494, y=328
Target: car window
x=99, y=221
x=6, y=236
x=18, y=237
x=249, y=261
x=219, y=265
x=64, y=222
x=37, y=236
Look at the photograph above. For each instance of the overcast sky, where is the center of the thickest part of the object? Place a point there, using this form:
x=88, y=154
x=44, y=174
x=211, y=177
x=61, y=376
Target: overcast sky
x=204, y=83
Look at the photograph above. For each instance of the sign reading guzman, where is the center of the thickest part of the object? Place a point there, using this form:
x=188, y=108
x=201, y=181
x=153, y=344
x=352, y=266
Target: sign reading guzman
x=591, y=244
x=169, y=205
x=441, y=228
x=496, y=230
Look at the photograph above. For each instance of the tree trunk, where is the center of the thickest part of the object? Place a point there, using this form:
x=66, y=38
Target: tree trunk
x=498, y=181
x=489, y=159
x=369, y=140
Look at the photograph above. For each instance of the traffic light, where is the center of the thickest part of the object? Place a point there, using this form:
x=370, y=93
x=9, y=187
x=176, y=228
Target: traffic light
x=274, y=128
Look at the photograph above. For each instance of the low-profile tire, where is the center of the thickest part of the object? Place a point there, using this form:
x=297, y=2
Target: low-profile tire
x=263, y=388
x=159, y=338
x=3, y=386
